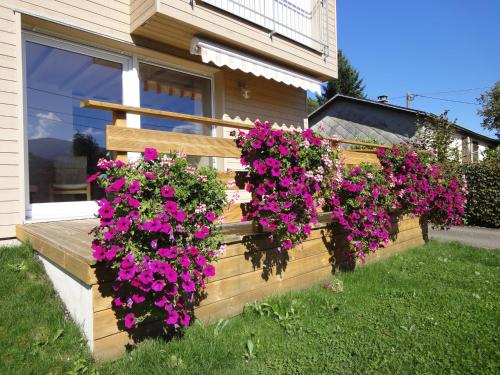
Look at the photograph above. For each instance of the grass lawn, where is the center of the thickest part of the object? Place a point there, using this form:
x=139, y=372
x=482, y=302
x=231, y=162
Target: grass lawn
x=433, y=309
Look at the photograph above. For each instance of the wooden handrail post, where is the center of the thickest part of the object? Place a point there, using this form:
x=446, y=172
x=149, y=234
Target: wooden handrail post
x=120, y=120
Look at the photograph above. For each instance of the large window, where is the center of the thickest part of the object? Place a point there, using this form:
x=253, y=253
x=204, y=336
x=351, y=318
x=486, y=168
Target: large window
x=174, y=91
x=65, y=141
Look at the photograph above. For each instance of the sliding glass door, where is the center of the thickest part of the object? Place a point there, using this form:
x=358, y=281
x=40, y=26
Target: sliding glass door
x=65, y=141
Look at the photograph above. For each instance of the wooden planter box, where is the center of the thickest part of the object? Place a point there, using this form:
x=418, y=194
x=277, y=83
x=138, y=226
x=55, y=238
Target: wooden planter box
x=250, y=270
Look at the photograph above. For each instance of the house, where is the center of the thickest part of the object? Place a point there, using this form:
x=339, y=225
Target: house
x=385, y=123
x=230, y=59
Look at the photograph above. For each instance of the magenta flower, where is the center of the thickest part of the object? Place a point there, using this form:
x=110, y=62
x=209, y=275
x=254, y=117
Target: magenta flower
x=92, y=177
x=202, y=233
x=126, y=273
x=134, y=187
x=150, y=154
x=173, y=317
x=180, y=216
x=167, y=192
x=184, y=320
x=123, y=224
x=129, y=321
x=209, y=270
x=170, y=207
x=158, y=285
x=116, y=186
x=138, y=298
x=210, y=216
x=106, y=211
x=189, y=286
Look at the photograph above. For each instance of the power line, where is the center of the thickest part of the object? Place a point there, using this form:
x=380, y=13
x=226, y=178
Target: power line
x=445, y=100
x=443, y=92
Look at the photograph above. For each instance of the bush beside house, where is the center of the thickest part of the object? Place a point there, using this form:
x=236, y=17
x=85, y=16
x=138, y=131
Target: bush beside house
x=483, y=206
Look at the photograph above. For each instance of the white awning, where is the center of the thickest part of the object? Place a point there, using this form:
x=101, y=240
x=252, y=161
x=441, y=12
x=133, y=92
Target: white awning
x=220, y=55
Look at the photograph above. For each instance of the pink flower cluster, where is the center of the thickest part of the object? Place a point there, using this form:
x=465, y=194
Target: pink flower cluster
x=422, y=188
x=360, y=202
x=154, y=237
x=285, y=171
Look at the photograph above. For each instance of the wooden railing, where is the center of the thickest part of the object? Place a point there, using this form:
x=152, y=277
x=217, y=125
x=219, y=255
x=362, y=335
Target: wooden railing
x=121, y=139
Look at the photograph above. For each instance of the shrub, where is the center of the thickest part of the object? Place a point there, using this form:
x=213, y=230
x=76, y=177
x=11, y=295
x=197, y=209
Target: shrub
x=483, y=206
x=424, y=189
x=157, y=234
x=285, y=171
x=360, y=202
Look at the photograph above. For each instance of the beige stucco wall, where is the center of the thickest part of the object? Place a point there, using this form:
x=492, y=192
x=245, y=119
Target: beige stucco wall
x=105, y=24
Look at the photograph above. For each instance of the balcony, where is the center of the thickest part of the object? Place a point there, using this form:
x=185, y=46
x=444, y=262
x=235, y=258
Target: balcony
x=303, y=21
x=296, y=34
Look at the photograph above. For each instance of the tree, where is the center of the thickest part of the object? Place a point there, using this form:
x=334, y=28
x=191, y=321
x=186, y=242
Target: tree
x=435, y=133
x=490, y=109
x=348, y=82
x=312, y=105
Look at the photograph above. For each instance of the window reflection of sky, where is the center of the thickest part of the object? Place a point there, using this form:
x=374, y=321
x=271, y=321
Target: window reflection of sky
x=57, y=80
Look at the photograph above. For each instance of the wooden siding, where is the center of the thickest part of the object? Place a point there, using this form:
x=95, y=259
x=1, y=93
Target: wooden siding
x=109, y=18
x=176, y=22
x=10, y=129
x=269, y=100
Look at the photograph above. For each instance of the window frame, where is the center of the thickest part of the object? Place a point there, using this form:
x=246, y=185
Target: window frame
x=130, y=96
x=59, y=210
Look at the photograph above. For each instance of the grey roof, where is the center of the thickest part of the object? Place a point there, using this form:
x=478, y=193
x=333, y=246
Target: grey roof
x=395, y=107
x=352, y=130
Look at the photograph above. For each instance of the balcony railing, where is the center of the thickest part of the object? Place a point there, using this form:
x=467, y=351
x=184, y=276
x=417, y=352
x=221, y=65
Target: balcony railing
x=303, y=21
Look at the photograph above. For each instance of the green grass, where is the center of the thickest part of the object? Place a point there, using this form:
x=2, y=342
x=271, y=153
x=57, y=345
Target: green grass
x=434, y=309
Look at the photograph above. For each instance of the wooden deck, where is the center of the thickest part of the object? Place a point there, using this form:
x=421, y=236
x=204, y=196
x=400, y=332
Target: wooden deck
x=65, y=243
x=250, y=270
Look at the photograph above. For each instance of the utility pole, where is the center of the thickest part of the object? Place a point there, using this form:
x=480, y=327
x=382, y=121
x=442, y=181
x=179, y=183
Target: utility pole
x=409, y=99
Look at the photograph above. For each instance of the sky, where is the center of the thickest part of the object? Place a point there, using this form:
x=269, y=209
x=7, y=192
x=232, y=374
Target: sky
x=429, y=47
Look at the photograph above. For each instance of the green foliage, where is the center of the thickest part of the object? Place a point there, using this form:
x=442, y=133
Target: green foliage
x=363, y=138
x=435, y=133
x=36, y=336
x=348, y=82
x=490, y=109
x=312, y=105
x=430, y=310
x=483, y=206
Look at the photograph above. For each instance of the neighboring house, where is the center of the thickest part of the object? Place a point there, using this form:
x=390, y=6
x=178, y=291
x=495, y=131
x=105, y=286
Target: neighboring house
x=217, y=58
x=355, y=118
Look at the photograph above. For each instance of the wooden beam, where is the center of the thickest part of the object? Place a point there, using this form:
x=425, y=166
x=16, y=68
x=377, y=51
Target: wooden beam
x=124, y=139
x=95, y=104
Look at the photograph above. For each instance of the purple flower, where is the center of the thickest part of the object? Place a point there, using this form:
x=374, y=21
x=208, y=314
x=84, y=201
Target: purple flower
x=150, y=154
x=123, y=224
x=158, y=285
x=134, y=187
x=171, y=207
x=117, y=185
x=106, y=211
x=209, y=270
x=167, y=191
x=173, y=317
x=180, y=216
x=129, y=321
x=189, y=286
